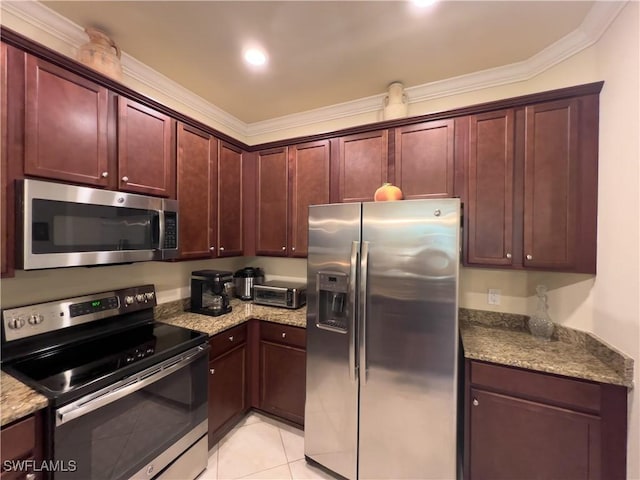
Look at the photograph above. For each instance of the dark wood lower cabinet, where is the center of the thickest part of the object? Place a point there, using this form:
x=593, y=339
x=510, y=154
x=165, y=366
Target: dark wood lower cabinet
x=228, y=399
x=257, y=364
x=21, y=441
x=283, y=371
x=530, y=425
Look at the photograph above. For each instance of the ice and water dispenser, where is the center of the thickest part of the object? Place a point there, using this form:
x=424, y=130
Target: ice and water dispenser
x=333, y=291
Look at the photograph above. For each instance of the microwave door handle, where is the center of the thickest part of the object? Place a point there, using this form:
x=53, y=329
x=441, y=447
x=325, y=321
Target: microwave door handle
x=161, y=229
x=142, y=379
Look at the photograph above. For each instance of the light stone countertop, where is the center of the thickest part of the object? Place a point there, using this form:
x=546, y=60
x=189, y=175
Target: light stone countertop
x=17, y=400
x=505, y=339
x=175, y=313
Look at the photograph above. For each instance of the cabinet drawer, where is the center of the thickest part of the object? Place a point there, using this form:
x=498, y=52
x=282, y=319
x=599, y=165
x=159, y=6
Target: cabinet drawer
x=225, y=341
x=560, y=391
x=284, y=334
x=19, y=439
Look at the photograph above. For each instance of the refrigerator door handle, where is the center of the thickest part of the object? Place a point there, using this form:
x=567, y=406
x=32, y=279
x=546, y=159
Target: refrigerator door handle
x=353, y=266
x=362, y=334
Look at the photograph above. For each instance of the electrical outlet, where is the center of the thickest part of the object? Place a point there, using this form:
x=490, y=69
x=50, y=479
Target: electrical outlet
x=493, y=297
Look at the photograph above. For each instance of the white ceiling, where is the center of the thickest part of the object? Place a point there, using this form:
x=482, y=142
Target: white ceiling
x=322, y=52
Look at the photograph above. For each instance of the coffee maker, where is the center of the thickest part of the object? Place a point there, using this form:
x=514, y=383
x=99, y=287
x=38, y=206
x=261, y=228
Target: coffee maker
x=208, y=295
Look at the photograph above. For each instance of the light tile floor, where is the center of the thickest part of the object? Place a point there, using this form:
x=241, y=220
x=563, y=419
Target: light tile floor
x=261, y=448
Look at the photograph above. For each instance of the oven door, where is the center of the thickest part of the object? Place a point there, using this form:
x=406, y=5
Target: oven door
x=139, y=426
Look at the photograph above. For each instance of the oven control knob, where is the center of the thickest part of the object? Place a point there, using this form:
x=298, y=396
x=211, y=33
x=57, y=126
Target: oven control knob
x=139, y=297
x=149, y=295
x=128, y=299
x=16, y=323
x=35, y=319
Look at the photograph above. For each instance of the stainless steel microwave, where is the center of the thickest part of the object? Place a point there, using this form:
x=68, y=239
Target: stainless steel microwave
x=65, y=226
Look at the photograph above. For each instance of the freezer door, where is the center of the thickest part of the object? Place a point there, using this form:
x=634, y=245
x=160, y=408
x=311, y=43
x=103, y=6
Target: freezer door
x=331, y=407
x=409, y=339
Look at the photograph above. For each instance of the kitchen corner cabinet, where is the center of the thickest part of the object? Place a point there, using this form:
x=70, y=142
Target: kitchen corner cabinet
x=362, y=165
x=228, y=396
x=424, y=159
x=22, y=441
x=282, y=376
x=531, y=425
x=146, y=161
x=289, y=179
x=197, y=155
x=532, y=187
x=65, y=131
x=229, y=201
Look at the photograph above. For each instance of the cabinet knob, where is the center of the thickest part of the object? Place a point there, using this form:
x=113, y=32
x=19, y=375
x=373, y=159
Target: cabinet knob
x=231, y=338
x=104, y=174
x=125, y=179
x=30, y=476
x=222, y=249
x=475, y=402
x=212, y=371
x=293, y=249
x=284, y=249
x=212, y=249
x=508, y=255
x=529, y=257
x=284, y=335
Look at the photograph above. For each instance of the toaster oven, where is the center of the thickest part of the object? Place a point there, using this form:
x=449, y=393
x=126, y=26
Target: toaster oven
x=280, y=294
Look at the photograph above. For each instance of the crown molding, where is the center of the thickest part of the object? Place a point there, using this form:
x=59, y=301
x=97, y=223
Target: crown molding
x=72, y=36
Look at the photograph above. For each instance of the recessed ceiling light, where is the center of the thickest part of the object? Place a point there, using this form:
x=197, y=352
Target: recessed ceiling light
x=423, y=3
x=255, y=56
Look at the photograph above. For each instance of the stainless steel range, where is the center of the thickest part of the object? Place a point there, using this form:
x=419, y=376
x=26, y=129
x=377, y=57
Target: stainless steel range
x=127, y=395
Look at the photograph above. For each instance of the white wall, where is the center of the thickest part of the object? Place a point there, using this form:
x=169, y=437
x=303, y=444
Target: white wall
x=615, y=297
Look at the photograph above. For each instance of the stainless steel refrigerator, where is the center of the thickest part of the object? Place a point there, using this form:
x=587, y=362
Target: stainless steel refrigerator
x=382, y=339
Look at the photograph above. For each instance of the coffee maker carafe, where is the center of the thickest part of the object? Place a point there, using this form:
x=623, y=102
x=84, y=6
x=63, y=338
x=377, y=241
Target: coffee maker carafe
x=208, y=295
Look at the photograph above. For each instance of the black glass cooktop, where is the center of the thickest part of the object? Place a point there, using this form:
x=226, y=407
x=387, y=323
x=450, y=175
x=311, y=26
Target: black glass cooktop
x=104, y=359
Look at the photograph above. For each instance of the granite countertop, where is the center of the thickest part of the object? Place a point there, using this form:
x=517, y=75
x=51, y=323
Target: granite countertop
x=17, y=400
x=175, y=313
x=505, y=339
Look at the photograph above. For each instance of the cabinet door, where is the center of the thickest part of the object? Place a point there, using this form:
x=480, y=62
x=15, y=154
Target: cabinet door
x=283, y=380
x=229, y=201
x=196, y=181
x=513, y=438
x=309, y=183
x=363, y=160
x=424, y=159
x=4, y=257
x=145, y=160
x=227, y=391
x=551, y=184
x=489, y=206
x=272, y=199
x=65, y=125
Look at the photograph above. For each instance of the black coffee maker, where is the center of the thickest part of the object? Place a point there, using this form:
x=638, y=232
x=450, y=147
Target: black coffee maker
x=208, y=295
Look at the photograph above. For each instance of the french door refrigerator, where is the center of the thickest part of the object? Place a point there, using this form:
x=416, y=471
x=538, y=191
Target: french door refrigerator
x=382, y=339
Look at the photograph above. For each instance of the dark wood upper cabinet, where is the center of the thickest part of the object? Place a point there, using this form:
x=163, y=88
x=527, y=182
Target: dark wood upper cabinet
x=146, y=162
x=196, y=185
x=65, y=125
x=272, y=200
x=4, y=257
x=489, y=206
x=363, y=165
x=309, y=165
x=424, y=154
x=552, y=161
x=531, y=181
x=230, y=201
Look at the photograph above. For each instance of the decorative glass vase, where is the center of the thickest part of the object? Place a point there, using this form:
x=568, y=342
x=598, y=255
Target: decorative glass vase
x=540, y=324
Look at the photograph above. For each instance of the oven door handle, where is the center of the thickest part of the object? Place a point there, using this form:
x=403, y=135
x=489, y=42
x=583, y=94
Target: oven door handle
x=127, y=386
